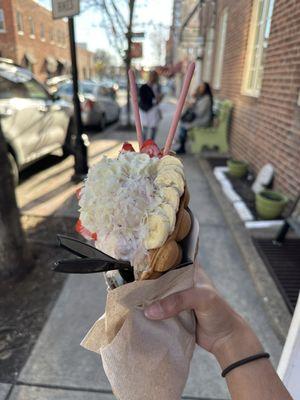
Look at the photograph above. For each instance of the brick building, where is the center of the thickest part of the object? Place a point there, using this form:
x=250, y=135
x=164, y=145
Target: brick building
x=252, y=57
x=30, y=37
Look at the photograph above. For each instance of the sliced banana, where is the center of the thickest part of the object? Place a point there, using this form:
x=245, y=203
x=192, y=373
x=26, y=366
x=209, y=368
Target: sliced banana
x=169, y=160
x=175, y=168
x=170, y=178
x=158, y=231
x=170, y=213
x=171, y=196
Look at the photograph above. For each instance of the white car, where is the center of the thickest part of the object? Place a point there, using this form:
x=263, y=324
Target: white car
x=34, y=123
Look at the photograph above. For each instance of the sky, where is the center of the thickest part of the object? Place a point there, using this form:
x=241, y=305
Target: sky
x=88, y=26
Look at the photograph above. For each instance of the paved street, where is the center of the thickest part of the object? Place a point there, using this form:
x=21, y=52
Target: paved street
x=58, y=368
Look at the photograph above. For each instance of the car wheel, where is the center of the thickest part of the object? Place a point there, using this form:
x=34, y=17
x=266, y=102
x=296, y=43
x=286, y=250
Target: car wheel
x=69, y=145
x=13, y=168
x=103, y=122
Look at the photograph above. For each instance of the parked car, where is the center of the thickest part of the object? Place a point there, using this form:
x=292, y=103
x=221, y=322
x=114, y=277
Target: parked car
x=34, y=123
x=55, y=82
x=98, y=105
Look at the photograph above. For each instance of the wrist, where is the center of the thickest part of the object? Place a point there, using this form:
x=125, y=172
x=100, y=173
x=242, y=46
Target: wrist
x=239, y=344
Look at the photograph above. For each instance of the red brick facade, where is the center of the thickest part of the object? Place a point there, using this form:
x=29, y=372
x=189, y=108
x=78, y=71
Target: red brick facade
x=46, y=51
x=265, y=128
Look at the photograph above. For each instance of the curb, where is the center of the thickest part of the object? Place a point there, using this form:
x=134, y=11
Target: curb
x=273, y=302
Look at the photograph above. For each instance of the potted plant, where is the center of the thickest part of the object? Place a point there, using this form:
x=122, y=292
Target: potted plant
x=237, y=168
x=270, y=204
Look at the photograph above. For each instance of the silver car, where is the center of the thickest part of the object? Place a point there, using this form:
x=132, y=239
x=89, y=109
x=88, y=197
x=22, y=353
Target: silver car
x=98, y=104
x=34, y=123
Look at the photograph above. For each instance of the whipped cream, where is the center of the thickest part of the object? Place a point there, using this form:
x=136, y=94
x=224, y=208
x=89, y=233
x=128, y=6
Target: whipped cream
x=117, y=202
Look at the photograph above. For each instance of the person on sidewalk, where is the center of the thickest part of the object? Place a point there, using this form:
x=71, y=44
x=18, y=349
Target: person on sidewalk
x=149, y=99
x=224, y=333
x=198, y=114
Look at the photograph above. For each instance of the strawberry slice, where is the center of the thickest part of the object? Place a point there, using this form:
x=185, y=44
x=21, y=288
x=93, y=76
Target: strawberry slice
x=127, y=147
x=85, y=232
x=150, y=147
x=78, y=193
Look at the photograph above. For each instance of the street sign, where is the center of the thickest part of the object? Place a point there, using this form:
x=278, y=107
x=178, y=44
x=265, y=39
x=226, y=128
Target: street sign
x=65, y=8
x=138, y=35
x=136, y=50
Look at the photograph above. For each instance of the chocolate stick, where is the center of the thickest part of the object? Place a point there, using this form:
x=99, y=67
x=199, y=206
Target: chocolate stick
x=180, y=104
x=134, y=99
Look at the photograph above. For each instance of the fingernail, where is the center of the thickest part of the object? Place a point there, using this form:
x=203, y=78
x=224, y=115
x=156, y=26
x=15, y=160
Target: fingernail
x=154, y=311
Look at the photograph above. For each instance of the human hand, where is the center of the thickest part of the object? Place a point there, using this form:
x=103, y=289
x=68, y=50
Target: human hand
x=220, y=330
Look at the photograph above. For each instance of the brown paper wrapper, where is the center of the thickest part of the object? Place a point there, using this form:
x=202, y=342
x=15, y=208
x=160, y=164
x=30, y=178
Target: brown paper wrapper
x=146, y=359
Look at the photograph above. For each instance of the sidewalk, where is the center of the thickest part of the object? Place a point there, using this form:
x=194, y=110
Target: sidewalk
x=59, y=369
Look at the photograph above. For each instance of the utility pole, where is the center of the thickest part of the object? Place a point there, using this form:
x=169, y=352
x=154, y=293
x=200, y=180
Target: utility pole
x=128, y=55
x=80, y=151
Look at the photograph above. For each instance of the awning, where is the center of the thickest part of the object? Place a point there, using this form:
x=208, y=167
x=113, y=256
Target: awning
x=30, y=58
x=61, y=61
x=51, y=64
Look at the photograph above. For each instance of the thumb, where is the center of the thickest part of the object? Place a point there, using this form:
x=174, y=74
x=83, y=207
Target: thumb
x=171, y=305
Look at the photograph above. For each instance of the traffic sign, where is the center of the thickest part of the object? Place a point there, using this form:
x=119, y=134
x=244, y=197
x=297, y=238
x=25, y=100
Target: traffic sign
x=138, y=35
x=65, y=8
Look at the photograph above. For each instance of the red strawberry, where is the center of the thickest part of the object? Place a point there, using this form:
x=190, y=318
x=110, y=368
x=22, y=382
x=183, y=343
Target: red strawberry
x=150, y=147
x=78, y=193
x=127, y=147
x=85, y=232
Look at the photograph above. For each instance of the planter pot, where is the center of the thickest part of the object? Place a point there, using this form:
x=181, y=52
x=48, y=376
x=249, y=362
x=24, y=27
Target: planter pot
x=269, y=204
x=237, y=168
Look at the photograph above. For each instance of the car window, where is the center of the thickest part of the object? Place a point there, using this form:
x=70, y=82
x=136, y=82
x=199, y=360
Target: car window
x=66, y=89
x=87, y=88
x=35, y=90
x=9, y=89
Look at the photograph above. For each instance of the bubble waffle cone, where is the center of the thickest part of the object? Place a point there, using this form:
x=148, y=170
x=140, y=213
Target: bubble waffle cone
x=170, y=254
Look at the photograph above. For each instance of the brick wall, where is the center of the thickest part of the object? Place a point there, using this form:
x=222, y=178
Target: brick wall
x=39, y=48
x=267, y=128
x=7, y=38
x=85, y=63
x=54, y=44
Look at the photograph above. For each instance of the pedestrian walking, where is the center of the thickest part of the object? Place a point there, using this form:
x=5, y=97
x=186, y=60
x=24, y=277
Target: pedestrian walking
x=149, y=99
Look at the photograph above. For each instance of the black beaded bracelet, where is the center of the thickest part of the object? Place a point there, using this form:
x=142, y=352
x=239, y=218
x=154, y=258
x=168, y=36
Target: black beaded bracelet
x=244, y=361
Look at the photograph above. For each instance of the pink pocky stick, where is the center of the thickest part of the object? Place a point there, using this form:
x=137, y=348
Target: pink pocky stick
x=180, y=104
x=134, y=99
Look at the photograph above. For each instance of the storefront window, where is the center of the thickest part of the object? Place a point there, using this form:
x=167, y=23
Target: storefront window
x=2, y=21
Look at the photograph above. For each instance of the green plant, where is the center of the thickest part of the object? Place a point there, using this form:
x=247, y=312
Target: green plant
x=237, y=168
x=270, y=204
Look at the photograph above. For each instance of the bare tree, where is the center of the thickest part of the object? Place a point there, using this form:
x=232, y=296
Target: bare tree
x=158, y=37
x=117, y=20
x=14, y=255
x=103, y=61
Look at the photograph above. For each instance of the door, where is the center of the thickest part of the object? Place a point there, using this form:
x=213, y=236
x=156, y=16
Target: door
x=23, y=118
x=56, y=116
x=43, y=102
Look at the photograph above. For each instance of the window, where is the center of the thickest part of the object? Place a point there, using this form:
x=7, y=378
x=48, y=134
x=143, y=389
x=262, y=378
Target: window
x=58, y=38
x=31, y=27
x=208, y=55
x=10, y=89
x=35, y=90
x=220, y=49
x=258, y=42
x=64, y=41
x=43, y=32
x=20, y=25
x=2, y=21
x=51, y=36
